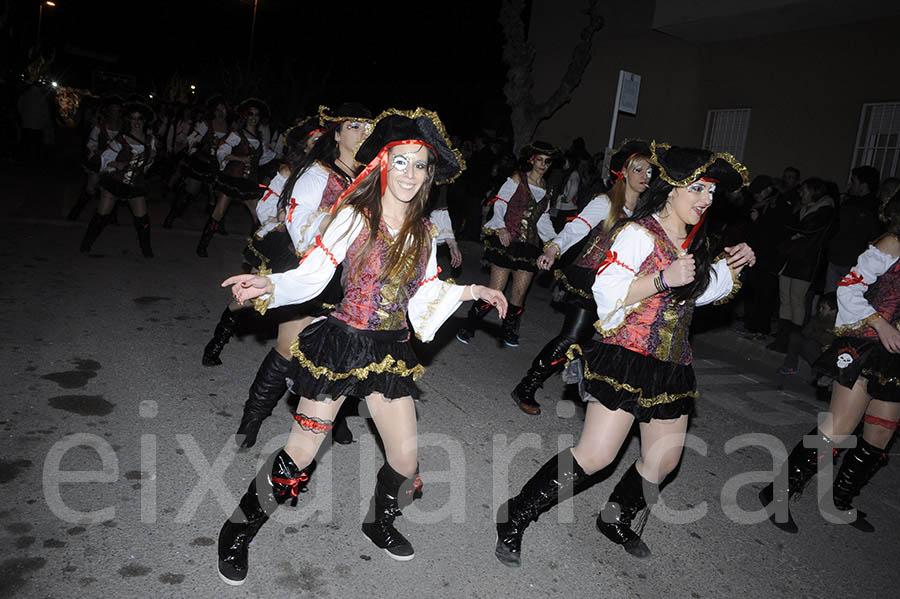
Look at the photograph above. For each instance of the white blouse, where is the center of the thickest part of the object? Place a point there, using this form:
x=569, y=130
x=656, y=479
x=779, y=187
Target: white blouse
x=267, y=206
x=507, y=190
x=631, y=247
x=429, y=307
x=576, y=229
x=114, y=147
x=232, y=141
x=854, y=310
x=303, y=215
x=440, y=218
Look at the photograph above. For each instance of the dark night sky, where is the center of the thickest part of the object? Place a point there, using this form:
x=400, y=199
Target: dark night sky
x=443, y=55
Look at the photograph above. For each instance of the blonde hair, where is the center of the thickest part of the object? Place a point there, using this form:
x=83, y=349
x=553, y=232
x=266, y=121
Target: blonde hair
x=616, y=194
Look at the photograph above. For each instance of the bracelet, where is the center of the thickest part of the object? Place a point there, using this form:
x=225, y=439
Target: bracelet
x=472, y=292
x=662, y=279
x=659, y=283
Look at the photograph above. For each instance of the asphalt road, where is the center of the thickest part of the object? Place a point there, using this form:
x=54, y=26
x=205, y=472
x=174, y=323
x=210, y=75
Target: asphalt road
x=118, y=468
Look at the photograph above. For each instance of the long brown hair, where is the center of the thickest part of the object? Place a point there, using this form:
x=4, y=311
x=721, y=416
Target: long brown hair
x=413, y=237
x=616, y=194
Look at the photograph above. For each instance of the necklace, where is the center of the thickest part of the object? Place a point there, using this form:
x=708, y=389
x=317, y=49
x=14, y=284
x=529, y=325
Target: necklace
x=347, y=168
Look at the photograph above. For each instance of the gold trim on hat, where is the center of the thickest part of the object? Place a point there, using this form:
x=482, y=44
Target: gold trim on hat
x=442, y=131
x=323, y=116
x=737, y=166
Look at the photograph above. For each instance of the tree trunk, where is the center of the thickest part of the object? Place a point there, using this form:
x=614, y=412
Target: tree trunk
x=526, y=113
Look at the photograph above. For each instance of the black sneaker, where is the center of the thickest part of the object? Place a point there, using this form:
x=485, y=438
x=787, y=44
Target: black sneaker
x=464, y=335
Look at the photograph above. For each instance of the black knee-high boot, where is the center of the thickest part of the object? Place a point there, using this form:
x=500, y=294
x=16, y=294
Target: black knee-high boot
x=801, y=465
x=142, y=226
x=477, y=312
x=632, y=494
x=176, y=209
x=94, y=228
x=576, y=327
x=80, y=203
x=263, y=496
x=511, y=325
x=265, y=392
x=223, y=332
x=209, y=229
x=560, y=478
x=393, y=491
x=858, y=467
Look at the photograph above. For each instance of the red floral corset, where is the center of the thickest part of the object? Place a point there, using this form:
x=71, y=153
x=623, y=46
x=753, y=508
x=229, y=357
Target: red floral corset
x=370, y=304
x=594, y=252
x=658, y=326
x=333, y=189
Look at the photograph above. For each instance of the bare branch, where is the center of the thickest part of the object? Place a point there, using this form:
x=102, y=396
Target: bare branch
x=581, y=56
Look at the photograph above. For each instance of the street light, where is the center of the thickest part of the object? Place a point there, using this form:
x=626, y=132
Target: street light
x=49, y=3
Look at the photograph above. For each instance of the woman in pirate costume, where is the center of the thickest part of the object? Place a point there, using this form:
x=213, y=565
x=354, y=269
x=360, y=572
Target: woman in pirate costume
x=105, y=130
x=123, y=169
x=201, y=165
x=659, y=266
x=387, y=248
x=239, y=156
x=515, y=233
x=315, y=182
x=630, y=167
x=864, y=362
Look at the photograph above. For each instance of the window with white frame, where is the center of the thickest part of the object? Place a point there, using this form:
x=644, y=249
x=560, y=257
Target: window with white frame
x=878, y=138
x=726, y=131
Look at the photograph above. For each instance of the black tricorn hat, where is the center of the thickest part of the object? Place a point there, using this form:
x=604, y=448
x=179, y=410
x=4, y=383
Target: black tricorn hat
x=302, y=129
x=254, y=102
x=424, y=125
x=540, y=147
x=620, y=157
x=107, y=101
x=216, y=99
x=682, y=166
x=135, y=104
x=348, y=111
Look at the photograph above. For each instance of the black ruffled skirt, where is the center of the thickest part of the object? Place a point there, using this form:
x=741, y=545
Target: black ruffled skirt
x=333, y=359
x=201, y=168
x=622, y=379
x=577, y=282
x=274, y=251
x=515, y=256
x=238, y=188
x=848, y=358
x=121, y=190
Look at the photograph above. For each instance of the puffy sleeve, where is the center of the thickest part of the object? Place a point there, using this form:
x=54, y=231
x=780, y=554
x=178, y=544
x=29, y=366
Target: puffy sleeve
x=225, y=148
x=267, y=206
x=723, y=284
x=500, y=201
x=854, y=310
x=441, y=219
x=303, y=205
x=575, y=230
x=434, y=302
x=268, y=154
x=194, y=137
x=152, y=142
x=93, y=140
x=615, y=275
x=545, y=227
x=109, y=155
x=317, y=265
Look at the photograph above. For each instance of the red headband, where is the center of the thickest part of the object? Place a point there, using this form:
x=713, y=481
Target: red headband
x=618, y=174
x=380, y=162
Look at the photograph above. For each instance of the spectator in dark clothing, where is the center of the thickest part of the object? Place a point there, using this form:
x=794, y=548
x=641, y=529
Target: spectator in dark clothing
x=765, y=232
x=803, y=252
x=857, y=225
x=816, y=334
